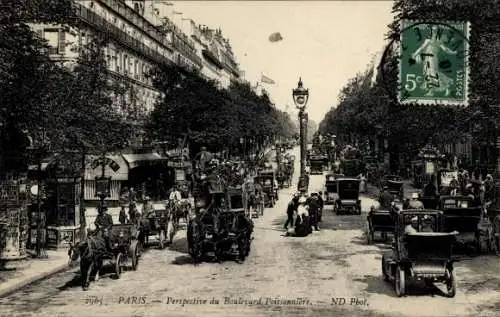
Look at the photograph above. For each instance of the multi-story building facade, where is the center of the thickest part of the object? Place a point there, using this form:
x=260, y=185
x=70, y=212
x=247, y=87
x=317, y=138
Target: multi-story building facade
x=135, y=45
x=219, y=62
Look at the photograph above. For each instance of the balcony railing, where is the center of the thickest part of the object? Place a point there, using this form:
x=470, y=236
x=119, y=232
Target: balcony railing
x=131, y=15
x=212, y=58
x=117, y=34
x=179, y=45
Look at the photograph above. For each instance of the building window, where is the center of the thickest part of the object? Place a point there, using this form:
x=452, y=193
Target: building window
x=125, y=63
x=56, y=39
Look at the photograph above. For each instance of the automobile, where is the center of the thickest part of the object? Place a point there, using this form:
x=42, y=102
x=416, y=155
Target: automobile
x=348, y=196
x=331, y=193
x=462, y=216
x=317, y=164
x=379, y=220
x=424, y=256
x=267, y=178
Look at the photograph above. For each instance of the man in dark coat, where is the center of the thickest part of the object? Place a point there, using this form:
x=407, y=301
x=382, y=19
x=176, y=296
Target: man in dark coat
x=321, y=205
x=103, y=224
x=385, y=199
x=314, y=207
x=292, y=207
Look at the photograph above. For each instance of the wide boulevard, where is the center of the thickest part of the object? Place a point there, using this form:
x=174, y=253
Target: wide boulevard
x=333, y=272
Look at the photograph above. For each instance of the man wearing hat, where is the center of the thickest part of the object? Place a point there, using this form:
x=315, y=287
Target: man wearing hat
x=103, y=224
x=385, y=198
x=321, y=205
x=314, y=206
x=415, y=203
x=412, y=227
x=291, y=209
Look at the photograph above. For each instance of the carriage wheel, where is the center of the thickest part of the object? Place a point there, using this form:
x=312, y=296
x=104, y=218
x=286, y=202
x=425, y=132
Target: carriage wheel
x=161, y=238
x=133, y=252
x=451, y=284
x=118, y=265
x=400, y=282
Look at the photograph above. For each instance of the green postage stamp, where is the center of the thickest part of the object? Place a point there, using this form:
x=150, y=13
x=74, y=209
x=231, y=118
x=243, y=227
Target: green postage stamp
x=433, y=66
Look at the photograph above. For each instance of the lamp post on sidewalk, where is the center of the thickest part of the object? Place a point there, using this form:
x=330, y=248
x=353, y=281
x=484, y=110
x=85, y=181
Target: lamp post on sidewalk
x=300, y=98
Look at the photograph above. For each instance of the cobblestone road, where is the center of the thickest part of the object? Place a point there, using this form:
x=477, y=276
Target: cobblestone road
x=332, y=263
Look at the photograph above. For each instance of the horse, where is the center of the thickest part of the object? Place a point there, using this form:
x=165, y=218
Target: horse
x=90, y=251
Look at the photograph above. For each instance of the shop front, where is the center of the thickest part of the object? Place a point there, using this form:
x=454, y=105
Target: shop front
x=111, y=171
x=148, y=174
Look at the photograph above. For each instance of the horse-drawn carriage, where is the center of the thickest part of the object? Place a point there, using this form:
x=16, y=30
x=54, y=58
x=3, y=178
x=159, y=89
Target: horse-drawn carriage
x=267, y=179
x=423, y=256
x=162, y=222
x=460, y=214
x=284, y=176
x=122, y=247
x=253, y=199
x=219, y=228
x=348, y=196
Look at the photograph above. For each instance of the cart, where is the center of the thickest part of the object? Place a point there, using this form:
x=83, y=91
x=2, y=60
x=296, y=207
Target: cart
x=125, y=247
x=423, y=256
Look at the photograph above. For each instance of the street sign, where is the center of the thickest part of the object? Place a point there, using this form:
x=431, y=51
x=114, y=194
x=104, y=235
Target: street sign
x=433, y=67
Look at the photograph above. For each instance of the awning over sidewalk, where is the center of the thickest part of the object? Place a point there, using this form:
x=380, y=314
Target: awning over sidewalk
x=135, y=160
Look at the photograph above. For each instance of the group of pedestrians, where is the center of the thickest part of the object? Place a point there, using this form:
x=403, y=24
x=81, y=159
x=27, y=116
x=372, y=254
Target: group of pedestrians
x=308, y=206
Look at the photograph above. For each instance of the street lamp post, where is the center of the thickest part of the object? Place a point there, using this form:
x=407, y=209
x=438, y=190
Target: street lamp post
x=300, y=98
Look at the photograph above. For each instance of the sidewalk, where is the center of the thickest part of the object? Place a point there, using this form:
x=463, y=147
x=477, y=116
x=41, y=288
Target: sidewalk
x=32, y=271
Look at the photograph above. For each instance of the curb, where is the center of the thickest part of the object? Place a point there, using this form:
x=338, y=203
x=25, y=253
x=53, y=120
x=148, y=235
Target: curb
x=6, y=291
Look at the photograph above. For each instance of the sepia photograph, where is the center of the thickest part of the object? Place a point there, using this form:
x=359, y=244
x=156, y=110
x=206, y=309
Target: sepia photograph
x=249, y=158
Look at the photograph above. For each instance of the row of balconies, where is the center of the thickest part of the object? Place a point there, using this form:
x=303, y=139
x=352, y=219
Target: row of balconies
x=97, y=21
x=134, y=17
x=101, y=24
x=187, y=51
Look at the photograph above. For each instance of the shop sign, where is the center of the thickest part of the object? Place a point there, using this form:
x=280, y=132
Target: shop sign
x=105, y=161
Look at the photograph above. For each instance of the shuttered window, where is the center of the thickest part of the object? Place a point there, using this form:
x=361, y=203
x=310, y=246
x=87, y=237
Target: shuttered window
x=62, y=42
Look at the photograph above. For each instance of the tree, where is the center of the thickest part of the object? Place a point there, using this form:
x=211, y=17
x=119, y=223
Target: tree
x=213, y=117
x=371, y=109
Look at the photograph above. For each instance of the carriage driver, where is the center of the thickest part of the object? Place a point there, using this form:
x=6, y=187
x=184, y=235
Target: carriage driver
x=103, y=224
x=175, y=196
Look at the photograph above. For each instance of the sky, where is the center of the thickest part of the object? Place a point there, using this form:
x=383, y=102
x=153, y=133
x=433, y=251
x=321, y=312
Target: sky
x=324, y=42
